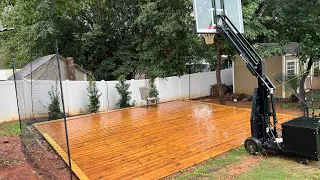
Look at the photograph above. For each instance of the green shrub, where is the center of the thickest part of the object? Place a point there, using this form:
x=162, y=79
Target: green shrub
x=94, y=96
x=317, y=71
x=122, y=88
x=54, y=111
x=284, y=106
x=9, y=129
x=153, y=91
x=293, y=82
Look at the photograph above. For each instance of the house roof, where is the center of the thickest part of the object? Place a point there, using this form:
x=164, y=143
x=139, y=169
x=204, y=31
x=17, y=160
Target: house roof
x=37, y=63
x=291, y=48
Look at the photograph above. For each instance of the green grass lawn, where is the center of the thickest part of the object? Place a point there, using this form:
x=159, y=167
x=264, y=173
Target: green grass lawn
x=237, y=164
x=213, y=168
x=289, y=105
x=9, y=128
x=281, y=168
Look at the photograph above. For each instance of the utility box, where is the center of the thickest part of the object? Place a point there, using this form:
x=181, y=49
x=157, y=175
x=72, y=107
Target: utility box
x=301, y=137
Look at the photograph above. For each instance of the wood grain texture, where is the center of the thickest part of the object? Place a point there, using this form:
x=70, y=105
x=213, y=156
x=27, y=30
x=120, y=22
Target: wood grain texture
x=140, y=143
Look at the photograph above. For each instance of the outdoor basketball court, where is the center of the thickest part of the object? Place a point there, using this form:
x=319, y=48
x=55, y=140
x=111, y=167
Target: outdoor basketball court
x=140, y=143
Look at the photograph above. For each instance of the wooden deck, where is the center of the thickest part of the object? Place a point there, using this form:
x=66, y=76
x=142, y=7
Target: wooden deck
x=140, y=143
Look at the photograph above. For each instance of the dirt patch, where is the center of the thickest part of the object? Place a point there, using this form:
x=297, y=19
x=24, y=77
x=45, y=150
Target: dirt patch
x=194, y=167
x=231, y=171
x=247, y=164
x=13, y=164
x=44, y=158
x=30, y=157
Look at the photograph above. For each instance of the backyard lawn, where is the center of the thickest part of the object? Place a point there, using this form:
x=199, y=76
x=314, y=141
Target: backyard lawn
x=9, y=129
x=237, y=164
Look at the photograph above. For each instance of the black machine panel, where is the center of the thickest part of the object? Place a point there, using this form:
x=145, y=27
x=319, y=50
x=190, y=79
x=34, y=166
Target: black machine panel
x=255, y=122
x=301, y=137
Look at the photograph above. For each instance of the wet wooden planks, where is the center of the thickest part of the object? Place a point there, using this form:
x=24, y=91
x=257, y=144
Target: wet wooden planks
x=140, y=143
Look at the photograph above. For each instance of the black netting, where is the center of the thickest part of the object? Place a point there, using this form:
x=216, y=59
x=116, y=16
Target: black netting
x=312, y=90
x=39, y=99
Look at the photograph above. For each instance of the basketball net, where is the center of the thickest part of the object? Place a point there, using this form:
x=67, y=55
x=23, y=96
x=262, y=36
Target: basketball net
x=209, y=38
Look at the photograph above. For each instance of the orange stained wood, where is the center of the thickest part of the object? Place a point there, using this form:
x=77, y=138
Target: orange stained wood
x=140, y=143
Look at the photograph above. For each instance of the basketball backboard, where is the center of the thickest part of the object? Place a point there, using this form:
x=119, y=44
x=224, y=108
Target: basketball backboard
x=206, y=11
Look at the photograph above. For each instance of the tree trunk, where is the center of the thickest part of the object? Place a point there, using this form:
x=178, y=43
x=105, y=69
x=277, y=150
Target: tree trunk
x=218, y=73
x=302, y=92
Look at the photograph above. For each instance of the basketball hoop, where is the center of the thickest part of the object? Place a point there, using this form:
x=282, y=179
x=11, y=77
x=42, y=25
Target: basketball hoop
x=209, y=38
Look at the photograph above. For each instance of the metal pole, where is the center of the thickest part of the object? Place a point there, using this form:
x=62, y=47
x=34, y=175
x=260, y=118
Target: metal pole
x=312, y=98
x=15, y=86
x=189, y=79
x=32, y=109
x=215, y=13
x=108, y=95
x=64, y=112
x=222, y=7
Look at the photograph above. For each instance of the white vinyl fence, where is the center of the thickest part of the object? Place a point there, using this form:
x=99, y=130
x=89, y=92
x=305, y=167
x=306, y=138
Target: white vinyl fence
x=76, y=98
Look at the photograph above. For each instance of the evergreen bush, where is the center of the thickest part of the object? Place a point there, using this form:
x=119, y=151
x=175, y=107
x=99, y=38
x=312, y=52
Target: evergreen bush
x=94, y=96
x=153, y=91
x=122, y=88
x=54, y=111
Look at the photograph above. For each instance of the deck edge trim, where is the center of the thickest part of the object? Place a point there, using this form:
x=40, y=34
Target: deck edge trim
x=75, y=168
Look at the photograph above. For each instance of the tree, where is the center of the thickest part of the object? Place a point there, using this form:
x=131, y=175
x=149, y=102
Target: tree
x=222, y=46
x=297, y=21
x=123, y=90
x=153, y=91
x=255, y=24
x=54, y=111
x=109, y=38
x=38, y=23
x=112, y=38
x=110, y=42
x=94, y=96
x=96, y=33
x=166, y=41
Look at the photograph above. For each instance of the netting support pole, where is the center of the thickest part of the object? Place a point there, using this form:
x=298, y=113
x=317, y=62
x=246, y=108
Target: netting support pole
x=31, y=76
x=189, y=79
x=15, y=86
x=108, y=96
x=64, y=112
